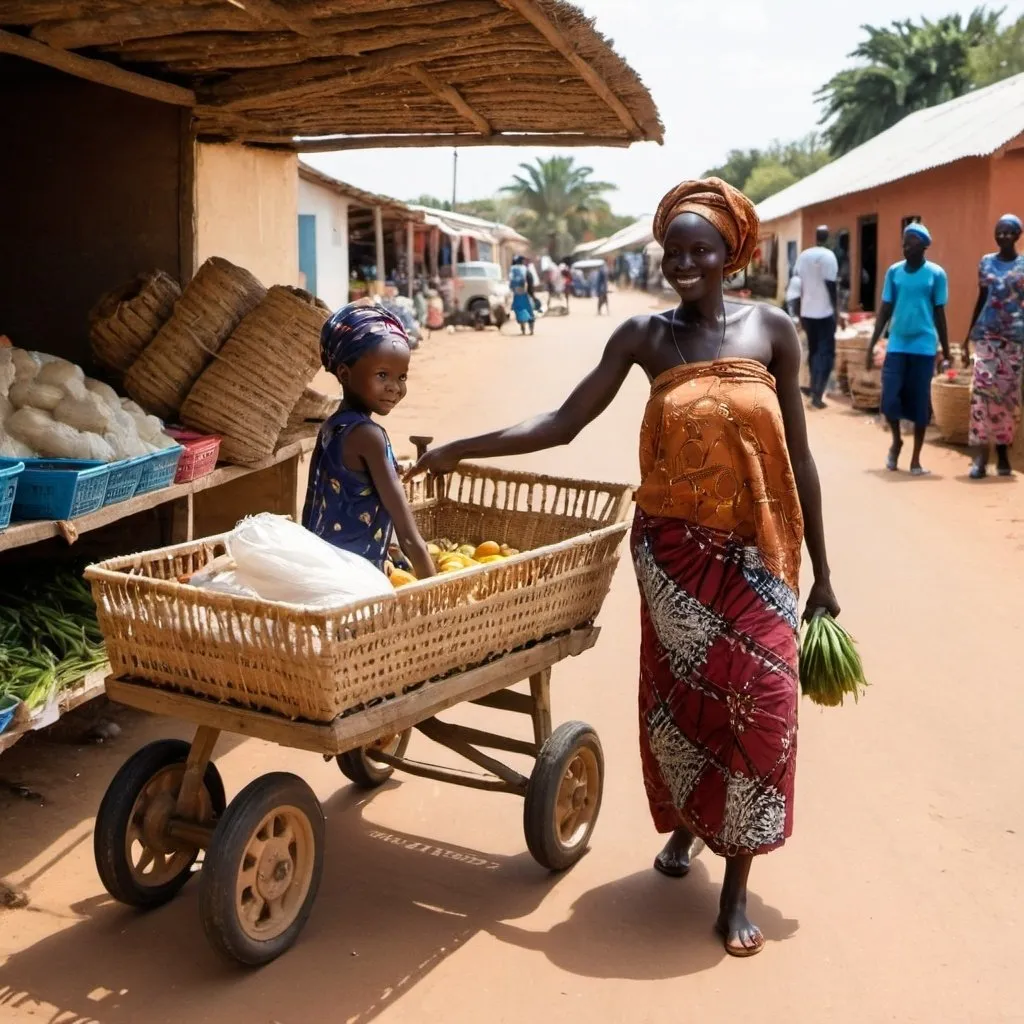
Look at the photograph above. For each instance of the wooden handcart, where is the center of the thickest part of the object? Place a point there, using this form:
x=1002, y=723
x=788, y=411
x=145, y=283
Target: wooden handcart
x=359, y=680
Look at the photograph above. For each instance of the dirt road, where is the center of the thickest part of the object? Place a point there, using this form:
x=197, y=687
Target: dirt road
x=896, y=900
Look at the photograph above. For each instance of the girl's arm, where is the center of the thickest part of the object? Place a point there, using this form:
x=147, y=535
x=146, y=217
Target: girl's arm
x=368, y=444
x=785, y=368
x=549, y=430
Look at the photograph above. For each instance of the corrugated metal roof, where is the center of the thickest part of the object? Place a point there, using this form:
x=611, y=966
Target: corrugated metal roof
x=973, y=125
x=638, y=233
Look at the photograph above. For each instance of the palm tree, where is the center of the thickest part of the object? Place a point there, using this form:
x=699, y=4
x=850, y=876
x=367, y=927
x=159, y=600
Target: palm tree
x=557, y=201
x=908, y=67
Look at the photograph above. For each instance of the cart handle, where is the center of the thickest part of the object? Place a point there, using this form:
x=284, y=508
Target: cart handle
x=422, y=444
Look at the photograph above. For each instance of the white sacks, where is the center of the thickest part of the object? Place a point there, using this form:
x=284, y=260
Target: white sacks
x=282, y=561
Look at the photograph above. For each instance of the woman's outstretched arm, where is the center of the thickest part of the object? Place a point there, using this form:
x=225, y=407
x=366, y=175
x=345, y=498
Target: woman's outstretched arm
x=550, y=429
x=785, y=368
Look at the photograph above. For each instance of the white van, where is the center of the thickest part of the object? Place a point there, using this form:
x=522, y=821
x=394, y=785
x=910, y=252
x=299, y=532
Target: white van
x=481, y=288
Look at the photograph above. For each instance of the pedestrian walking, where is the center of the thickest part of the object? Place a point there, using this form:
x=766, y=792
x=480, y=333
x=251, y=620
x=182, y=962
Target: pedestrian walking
x=997, y=332
x=914, y=300
x=601, y=287
x=793, y=290
x=728, y=489
x=522, y=300
x=818, y=270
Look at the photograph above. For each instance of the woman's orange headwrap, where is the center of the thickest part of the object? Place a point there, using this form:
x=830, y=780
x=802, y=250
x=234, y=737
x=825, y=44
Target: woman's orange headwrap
x=727, y=208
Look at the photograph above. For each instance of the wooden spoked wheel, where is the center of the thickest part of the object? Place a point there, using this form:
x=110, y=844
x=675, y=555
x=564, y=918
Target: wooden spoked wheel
x=563, y=797
x=263, y=869
x=358, y=766
x=275, y=873
x=578, y=798
x=138, y=863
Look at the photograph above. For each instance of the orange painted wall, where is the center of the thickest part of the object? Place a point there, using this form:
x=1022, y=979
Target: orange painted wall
x=959, y=203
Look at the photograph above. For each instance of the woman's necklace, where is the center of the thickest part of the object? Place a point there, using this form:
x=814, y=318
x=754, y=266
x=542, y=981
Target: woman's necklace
x=675, y=341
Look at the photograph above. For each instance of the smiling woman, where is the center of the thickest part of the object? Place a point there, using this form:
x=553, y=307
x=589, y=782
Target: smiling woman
x=728, y=492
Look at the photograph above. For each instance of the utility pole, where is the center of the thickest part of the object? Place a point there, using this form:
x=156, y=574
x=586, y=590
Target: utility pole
x=455, y=177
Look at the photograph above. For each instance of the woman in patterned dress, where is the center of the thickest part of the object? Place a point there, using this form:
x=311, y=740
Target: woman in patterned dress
x=997, y=333
x=729, y=491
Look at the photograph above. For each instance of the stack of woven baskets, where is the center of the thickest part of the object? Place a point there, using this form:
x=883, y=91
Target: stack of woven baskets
x=951, y=405
x=851, y=351
x=223, y=356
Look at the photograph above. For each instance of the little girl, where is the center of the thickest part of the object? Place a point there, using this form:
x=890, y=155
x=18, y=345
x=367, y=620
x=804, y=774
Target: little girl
x=355, y=499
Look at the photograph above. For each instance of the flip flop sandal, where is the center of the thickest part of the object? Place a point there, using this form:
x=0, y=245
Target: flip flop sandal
x=920, y=471
x=892, y=462
x=1005, y=471
x=977, y=472
x=740, y=950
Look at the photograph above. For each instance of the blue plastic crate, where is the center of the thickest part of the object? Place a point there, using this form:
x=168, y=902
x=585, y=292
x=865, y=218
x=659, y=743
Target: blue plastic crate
x=9, y=473
x=158, y=469
x=60, y=489
x=124, y=479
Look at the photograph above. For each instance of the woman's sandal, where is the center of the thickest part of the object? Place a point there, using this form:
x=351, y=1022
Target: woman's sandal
x=978, y=472
x=740, y=950
x=676, y=870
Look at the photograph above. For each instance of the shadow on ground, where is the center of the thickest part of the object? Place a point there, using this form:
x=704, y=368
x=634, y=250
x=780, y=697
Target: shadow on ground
x=391, y=908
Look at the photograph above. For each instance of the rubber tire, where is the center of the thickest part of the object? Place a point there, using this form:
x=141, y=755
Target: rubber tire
x=220, y=871
x=114, y=813
x=542, y=792
x=361, y=771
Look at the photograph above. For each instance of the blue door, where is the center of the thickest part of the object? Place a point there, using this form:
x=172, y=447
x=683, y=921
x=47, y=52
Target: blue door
x=307, y=250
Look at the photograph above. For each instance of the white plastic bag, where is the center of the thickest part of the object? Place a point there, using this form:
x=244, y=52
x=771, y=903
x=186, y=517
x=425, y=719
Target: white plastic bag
x=282, y=561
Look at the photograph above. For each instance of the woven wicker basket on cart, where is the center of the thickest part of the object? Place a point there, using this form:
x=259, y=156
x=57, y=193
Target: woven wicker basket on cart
x=127, y=319
x=851, y=352
x=951, y=406
x=865, y=389
x=210, y=308
x=317, y=664
x=248, y=393
x=314, y=406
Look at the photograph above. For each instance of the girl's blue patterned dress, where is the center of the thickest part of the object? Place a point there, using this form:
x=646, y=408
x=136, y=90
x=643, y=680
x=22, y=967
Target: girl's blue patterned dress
x=342, y=505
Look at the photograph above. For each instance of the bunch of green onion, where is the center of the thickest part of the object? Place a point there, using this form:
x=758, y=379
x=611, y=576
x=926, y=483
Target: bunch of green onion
x=830, y=667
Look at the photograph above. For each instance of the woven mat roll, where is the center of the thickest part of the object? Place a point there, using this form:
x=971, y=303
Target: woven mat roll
x=248, y=393
x=123, y=322
x=314, y=406
x=211, y=306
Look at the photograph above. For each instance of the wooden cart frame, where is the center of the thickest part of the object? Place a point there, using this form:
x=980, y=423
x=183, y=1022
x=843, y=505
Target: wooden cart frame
x=265, y=850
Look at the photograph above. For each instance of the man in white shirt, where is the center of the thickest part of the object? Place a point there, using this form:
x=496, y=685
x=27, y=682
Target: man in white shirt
x=818, y=270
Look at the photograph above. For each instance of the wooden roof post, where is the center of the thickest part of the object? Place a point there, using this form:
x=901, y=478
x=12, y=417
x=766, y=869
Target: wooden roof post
x=410, y=247
x=378, y=238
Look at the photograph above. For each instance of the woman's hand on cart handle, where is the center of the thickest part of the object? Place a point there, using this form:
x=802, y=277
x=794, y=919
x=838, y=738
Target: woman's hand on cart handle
x=442, y=459
x=822, y=598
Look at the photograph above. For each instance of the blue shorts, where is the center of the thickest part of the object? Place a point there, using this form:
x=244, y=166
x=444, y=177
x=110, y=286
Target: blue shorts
x=907, y=387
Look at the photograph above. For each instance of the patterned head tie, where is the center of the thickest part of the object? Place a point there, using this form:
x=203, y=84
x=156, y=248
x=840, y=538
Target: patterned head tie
x=353, y=331
x=920, y=230
x=721, y=205
x=1012, y=218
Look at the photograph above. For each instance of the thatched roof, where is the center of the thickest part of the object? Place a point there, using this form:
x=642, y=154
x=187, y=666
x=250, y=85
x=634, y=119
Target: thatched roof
x=416, y=72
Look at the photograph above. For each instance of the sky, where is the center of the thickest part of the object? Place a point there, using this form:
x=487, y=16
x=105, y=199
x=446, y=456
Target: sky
x=724, y=75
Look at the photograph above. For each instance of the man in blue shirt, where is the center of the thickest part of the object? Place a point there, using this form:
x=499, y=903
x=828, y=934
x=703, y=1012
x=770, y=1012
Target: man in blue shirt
x=914, y=300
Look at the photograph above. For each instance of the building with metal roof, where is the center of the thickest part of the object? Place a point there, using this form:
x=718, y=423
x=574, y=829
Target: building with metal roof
x=957, y=167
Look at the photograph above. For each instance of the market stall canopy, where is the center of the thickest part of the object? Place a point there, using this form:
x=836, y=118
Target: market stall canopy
x=637, y=234
x=363, y=72
x=466, y=226
x=584, y=247
x=587, y=264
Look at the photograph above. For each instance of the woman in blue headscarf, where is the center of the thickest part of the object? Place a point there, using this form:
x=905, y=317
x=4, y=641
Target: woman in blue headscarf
x=997, y=333
x=355, y=499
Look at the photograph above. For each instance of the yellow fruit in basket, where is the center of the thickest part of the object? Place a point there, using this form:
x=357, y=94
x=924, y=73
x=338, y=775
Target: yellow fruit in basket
x=489, y=547
x=509, y=552
x=452, y=567
x=467, y=549
x=490, y=559
x=433, y=550
x=401, y=578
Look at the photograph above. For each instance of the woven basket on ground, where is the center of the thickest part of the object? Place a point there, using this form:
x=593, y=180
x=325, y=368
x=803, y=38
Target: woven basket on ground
x=865, y=389
x=248, y=393
x=210, y=308
x=127, y=319
x=851, y=352
x=319, y=664
x=951, y=406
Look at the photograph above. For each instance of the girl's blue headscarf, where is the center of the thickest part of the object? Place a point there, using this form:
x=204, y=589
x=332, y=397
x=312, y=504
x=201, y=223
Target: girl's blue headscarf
x=920, y=230
x=353, y=331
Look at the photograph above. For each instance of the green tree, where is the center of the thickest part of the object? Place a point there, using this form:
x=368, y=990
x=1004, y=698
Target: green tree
x=767, y=179
x=999, y=58
x=556, y=201
x=432, y=201
x=739, y=165
x=906, y=67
